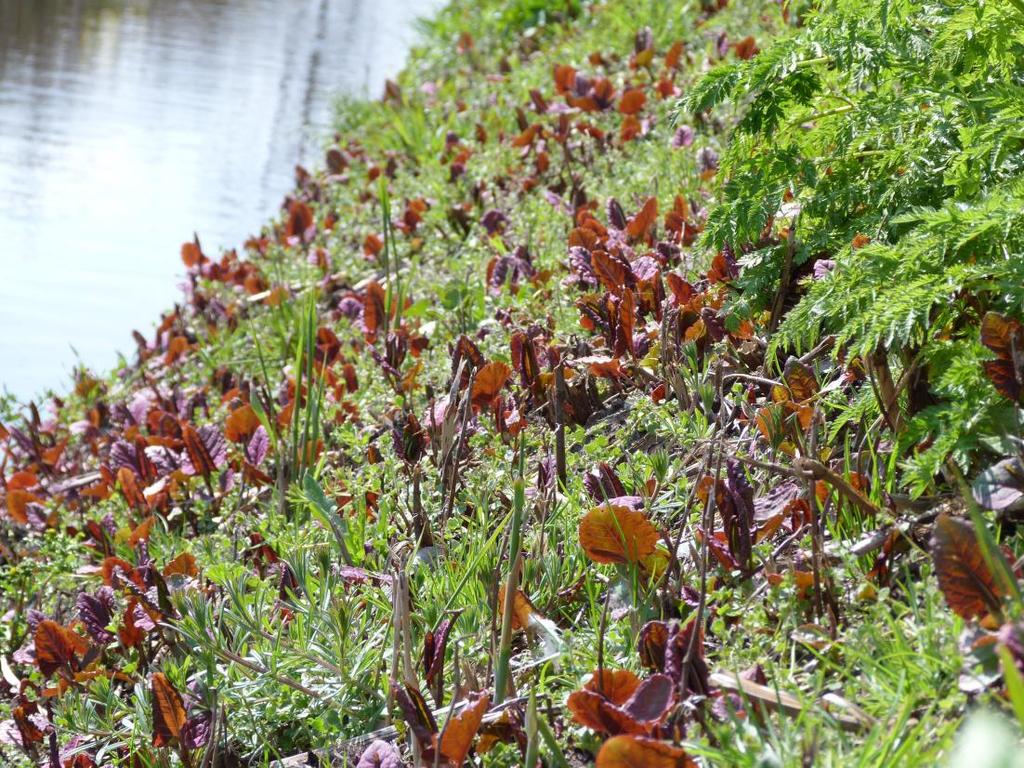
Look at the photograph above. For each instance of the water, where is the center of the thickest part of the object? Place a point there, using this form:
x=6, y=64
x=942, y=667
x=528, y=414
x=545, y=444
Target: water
x=125, y=125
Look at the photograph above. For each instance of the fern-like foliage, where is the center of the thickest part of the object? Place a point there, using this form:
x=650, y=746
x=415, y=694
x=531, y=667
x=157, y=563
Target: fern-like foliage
x=898, y=123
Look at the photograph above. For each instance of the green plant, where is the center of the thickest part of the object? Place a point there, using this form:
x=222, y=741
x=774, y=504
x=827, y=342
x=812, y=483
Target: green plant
x=880, y=146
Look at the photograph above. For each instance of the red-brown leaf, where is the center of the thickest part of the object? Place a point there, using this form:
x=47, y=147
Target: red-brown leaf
x=632, y=101
x=644, y=220
x=205, y=449
x=963, y=575
x=168, y=711
x=1005, y=337
x=610, y=271
x=55, y=646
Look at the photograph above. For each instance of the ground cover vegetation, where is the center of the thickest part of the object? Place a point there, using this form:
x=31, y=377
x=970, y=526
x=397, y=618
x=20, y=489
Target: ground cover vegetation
x=638, y=383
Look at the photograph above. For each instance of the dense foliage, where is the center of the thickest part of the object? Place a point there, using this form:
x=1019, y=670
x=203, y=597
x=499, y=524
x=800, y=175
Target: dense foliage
x=888, y=137
x=627, y=388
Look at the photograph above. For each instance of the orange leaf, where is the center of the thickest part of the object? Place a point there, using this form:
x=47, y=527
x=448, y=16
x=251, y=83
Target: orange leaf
x=632, y=101
x=616, y=534
x=597, y=713
x=640, y=752
x=176, y=347
x=800, y=380
x=627, y=320
x=1002, y=335
x=184, y=564
x=300, y=219
x=489, y=381
x=22, y=481
x=526, y=138
x=616, y=685
x=625, y=705
x=964, y=577
x=584, y=238
x=130, y=633
x=141, y=533
x=168, y=711
x=191, y=254
x=644, y=220
x=746, y=48
x=129, y=487
x=565, y=78
x=17, y=501
x=522, y=608
x=373, y=308
x=602, y=366
x=240, y=424
x=372, y=245
x=631, y=128
x=111, y=567
x=52, y=455
x=674, y=54
x=461, y=729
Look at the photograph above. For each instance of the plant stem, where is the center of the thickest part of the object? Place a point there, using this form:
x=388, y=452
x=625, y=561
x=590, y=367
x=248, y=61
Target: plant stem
x=501, y=672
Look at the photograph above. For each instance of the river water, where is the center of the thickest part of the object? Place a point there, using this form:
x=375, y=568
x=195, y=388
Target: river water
x=125, y=125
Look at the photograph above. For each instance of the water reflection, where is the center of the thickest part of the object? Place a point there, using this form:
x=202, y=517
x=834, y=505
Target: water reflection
x=125, y=125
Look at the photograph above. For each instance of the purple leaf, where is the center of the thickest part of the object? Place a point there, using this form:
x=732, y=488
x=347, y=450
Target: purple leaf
x=822, y=267
x=1011, y=635
x=141, y=405
x=652, y=700
x=196, y=730
x=26, y=654
x=581, y=269
x=33, y=617
x=511, y=268
x=696, y=679
x=96, y=612
x=493, y=221
x=434, y=647
x=547, y=471
x=645, y=269
x=417, y=714
x=258, y=447
x=707, y=159
x=122, y=454
x=634, y=503
x=737, y=509
x=163, y=459
x=216, y=448
x=616, y=216
x=350, y=307
x=683, y=137
x=554, y=200
x=602, y=483
x=1001, y=487
x=722, y=45
x=141, y=619
x=380, y=754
